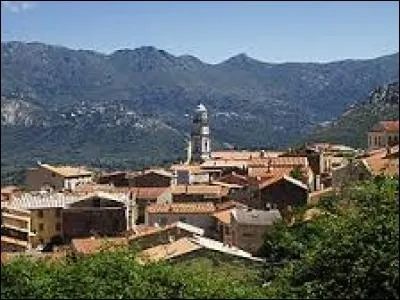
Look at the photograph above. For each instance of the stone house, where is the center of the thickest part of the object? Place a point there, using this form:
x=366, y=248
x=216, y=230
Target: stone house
x=354, y=171
x=149, y=195
x=153, y=178
x=199, y=193
x=248, y=227
x=48, y=216
x=57, y=178
x=382, y=134
x=187, y=248
x=144, y=236
x=283, y=193
x=198, y=214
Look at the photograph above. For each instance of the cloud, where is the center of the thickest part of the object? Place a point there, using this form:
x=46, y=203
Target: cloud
x=17, y=6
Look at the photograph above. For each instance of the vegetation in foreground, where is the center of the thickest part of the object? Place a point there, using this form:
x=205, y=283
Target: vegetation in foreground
x=350, y=252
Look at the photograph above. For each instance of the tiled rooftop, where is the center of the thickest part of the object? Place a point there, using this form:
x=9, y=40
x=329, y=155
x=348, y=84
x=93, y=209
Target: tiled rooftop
x=67, y=171
x=182, y=208
x=91, y=245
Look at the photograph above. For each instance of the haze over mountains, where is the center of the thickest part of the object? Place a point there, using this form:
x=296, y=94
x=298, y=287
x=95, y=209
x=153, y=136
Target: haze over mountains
x=131, y=107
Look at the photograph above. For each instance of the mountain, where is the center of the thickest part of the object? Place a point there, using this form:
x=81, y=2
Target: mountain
x=131, y=107
x=352, y=126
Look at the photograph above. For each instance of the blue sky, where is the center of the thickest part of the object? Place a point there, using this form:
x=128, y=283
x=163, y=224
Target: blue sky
x=212, y=31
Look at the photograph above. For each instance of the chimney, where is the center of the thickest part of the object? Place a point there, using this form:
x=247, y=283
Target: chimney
x=262, y=153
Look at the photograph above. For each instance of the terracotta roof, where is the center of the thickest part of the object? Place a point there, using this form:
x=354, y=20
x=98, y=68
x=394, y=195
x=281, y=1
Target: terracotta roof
x=167, y=251
x=91, y=245
x=269, y=172
x=240, y=155
x=223, y=216
x=199, y=190
x=182, y=208
x=224, y=163
x=279, y=161
x=149, y=192
x=146, y=230
x=67, y=171
x=234, y=178
x=379, y=164
x=229, y=204
x=272, y=180
x=391, y=126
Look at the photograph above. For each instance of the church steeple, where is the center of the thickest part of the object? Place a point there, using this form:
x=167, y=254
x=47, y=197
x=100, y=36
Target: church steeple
x=200, y=135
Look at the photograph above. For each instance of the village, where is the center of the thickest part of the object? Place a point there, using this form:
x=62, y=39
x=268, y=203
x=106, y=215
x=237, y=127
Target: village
x=216, y=201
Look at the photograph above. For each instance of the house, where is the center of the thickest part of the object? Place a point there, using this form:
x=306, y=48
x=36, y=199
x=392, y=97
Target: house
x=382, y=134
x=354, y=171
x=7, y=192
x=114, y=178
x=144, y=236
x=149, y=195
x=16, y=232
x=41, y=218
x=283, y=193
x=188, y=248
x=194, y=174
x=198, y=214
x=199, y=193
x=153, y=178
x=245, y=227
x=57, y=177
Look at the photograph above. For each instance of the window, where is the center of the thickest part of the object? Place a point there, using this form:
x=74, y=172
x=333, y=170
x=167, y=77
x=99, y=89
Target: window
x=53, y=174
x=390, y=139
x=58, y=212
x=41, y=226
x=58, y=226
x=376, y=140
x=40, y=213
x=247, y=234
x=395, y=138
x=182, y=219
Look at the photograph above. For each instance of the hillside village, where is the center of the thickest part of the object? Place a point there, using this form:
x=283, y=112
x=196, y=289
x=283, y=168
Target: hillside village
x=215, y=201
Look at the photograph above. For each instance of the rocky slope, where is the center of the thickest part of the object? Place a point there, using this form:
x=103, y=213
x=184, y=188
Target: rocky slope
x=352, y=126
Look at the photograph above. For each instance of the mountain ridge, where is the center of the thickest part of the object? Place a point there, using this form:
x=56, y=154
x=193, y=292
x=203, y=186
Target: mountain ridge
x=251, y=104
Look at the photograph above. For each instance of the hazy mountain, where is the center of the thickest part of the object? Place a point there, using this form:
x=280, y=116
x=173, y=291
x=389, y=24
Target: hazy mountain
x=116, y=107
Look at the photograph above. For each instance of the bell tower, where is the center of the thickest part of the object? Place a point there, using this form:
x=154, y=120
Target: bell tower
x=200, y=135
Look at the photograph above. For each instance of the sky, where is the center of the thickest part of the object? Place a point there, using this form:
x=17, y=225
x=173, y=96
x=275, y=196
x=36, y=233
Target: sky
x=213, y=31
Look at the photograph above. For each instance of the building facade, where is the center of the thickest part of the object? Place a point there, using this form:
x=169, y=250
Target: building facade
x=385, y=133
x=200, y=145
